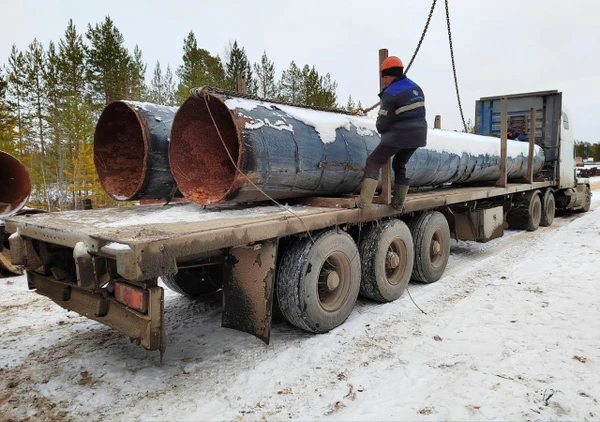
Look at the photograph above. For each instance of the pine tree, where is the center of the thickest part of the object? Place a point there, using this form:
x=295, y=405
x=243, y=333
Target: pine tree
x=190, y=71
x=108, y=63
x=137, y=77
x=77, y=120
x=7, y=123
x=310, y=86
x=16, y=97
x=350, y=105
x=169, y=88
x=213, y=73
x=290, y=85
x=156, y=89
x=199, y=68
x=72, y=63
x=55, y=151
x=35, y=62
x=265, y=77
x=238, y=63
x=327, y=96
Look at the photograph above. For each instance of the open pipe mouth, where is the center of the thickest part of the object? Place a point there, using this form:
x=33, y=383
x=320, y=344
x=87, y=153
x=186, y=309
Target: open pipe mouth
x=199, y=161
x=120, y=148
x=15, y=185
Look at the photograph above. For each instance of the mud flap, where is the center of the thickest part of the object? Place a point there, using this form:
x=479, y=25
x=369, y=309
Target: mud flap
x=5, y=263
x=248, y=289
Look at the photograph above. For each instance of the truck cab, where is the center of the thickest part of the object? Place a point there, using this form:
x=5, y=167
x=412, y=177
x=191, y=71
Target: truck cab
x=543, y=117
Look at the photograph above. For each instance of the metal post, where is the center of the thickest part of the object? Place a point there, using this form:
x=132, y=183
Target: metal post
x=502, y=181
x=532, y=119
x=438, y=122
x=386, y=173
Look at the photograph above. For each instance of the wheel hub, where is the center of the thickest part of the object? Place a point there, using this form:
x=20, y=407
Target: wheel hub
x=436, y=247
x=392, y=260
x=333, y=280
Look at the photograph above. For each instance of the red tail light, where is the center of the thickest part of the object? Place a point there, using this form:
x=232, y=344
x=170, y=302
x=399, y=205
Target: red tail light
x=133, y=297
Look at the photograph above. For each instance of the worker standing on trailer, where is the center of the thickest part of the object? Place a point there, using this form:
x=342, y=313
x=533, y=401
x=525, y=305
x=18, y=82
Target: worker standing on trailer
x=403, y=128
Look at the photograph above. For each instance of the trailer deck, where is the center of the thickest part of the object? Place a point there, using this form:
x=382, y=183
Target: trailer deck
x=148, y=241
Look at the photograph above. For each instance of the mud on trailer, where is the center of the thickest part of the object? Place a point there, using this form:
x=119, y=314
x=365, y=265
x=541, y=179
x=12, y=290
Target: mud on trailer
x=312, y=258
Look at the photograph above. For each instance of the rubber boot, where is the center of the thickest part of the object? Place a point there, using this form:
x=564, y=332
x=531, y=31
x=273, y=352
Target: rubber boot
x=367, y=190
x=400, y=192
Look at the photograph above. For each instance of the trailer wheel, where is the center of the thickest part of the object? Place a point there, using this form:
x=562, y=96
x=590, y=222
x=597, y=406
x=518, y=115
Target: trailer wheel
x=318, y=283
x=588, y=200
x=527, y=214
x=194, y=282
x=548, y=209
x=431, y=238
x=535, y=213
x=387, y=257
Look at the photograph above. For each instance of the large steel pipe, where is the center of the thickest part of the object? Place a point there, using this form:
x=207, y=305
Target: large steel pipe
x=457, y=157
x=15, y=185
x=131, y=150
x=291, y=152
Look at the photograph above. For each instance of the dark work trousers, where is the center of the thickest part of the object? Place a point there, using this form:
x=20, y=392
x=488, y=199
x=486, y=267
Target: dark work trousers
x=379, y=157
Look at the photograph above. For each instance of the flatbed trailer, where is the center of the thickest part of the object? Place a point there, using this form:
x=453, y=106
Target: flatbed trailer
x=311, y=256
x=71, y=257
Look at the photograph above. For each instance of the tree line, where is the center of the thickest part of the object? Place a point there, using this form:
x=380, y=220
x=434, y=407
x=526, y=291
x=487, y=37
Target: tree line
x=587, y=150
x=51, y=98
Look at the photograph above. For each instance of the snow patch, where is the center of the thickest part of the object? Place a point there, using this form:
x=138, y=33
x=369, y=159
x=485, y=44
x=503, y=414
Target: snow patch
x=114, y=246
x=325, y=123
x=242, y=103
x=460, y=143
x=194, y=213
x=279, y=125
x=145, y=106
x=79, y=250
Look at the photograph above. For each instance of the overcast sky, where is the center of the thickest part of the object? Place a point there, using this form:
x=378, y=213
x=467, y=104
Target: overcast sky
x=501, y=46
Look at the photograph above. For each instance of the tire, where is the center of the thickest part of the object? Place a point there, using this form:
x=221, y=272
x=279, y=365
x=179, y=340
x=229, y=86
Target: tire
x=431, y=239
x=548, y=209
x=387, y=258
x=527, y=214
x=534, y=215
x=588, y=200
x=194, y=282
x=311, y=294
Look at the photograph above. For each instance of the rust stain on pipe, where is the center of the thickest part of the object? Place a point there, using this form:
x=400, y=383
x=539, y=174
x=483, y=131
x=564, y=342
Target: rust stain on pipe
x=119, y=151
x=201, y=166
x=15, y=185
x=130, y=150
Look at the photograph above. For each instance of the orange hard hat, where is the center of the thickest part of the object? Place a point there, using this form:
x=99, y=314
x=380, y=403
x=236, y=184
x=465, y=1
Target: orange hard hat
x=391, y=61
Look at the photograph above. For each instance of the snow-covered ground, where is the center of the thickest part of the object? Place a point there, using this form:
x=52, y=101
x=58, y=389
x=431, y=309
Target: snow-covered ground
x=511, y=332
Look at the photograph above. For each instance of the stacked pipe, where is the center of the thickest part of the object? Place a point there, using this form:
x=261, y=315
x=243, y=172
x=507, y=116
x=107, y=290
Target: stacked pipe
x=130, y=150
x=227, y=149
x=15, y=185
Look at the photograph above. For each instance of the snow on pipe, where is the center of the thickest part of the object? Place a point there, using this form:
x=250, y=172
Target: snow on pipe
x=15, y=185
x=131, y=150
x=292, y=152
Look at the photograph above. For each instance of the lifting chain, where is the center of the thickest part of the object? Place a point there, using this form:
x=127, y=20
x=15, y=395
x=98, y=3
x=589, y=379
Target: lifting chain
x=423, y=34
x=462, y=116
x=460, y=109
x=366, y=110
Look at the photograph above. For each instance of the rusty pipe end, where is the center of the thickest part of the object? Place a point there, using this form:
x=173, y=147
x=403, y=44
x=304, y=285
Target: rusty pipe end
x=120, y=151
x=15, y=185
x=203, y=170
